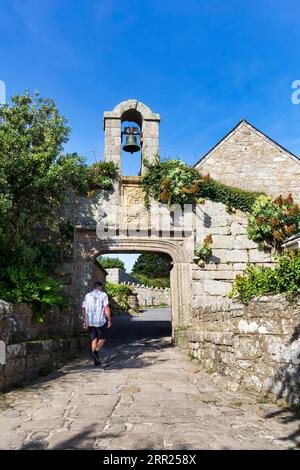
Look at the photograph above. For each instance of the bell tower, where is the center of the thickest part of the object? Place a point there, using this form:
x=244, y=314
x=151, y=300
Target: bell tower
x=131, y=139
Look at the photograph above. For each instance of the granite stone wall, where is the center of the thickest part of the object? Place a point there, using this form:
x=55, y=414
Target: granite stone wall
x=26, y=360
x=16, y=323
x=151, y=296
x=31, y=346
x=256, y=346
x=231, y=252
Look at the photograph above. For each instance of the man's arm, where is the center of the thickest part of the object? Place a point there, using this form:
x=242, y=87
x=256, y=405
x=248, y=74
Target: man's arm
x=107, y=313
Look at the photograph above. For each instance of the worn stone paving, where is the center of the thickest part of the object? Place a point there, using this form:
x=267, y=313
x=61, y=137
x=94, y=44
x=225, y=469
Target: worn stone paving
x=147, y=395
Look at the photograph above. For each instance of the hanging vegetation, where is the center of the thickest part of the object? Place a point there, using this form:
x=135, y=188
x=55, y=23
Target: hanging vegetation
x=204, y=251
x=175, y=182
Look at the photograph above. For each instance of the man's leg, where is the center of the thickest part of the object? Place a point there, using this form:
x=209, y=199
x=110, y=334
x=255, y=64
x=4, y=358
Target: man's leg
x=94, y=344
x=101, y=331
x=100, y=343
x=94, y=339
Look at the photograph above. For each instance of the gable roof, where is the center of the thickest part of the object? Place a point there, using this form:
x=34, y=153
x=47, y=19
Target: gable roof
x=245, y=123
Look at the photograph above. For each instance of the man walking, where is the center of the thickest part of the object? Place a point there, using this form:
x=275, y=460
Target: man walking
x=96, y=318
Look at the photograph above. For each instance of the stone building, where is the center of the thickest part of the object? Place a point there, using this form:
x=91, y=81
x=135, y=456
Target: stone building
x=249, y=159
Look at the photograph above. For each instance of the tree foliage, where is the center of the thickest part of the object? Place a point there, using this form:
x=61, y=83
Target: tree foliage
x=107, y=262
x=35, y=176
x=153, y=265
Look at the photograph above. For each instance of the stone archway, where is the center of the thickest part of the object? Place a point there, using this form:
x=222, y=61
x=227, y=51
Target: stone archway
x=88, y=246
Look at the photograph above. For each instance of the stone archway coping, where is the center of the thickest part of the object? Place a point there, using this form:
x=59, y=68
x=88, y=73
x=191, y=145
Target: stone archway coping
x=127, y=105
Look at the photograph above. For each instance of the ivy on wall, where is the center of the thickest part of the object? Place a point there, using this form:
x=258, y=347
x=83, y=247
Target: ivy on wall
x=175, y=182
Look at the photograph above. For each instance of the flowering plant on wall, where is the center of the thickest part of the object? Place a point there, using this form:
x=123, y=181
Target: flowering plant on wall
x=175, y=182
x=271, y=221
x=167, y=181
x=204, y=252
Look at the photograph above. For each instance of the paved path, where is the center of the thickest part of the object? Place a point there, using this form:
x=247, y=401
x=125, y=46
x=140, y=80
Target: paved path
x=147, y=396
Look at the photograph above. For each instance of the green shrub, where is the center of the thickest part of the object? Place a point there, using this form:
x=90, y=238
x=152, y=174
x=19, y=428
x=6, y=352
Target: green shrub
x=284, y=278
x=102, y=174
x=160, y=282
x=272, y=221
x=233, y=198
x=166, y=180
x=107, y=262
x=34, y=287
x=119, y=293
x=87, y=179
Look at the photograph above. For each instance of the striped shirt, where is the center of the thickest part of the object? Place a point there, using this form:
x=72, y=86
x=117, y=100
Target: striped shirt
x=94, y=303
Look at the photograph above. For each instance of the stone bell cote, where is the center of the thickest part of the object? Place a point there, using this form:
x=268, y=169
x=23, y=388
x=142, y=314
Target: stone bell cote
x=138, y=113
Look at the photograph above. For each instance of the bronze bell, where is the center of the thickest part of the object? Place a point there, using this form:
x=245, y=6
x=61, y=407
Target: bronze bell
x=131, y=144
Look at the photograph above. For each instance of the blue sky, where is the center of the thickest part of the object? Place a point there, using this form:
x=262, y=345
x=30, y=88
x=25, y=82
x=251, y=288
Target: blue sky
x=203, y=65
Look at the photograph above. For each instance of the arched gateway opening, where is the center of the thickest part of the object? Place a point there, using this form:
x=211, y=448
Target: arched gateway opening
x=135, y=229
x=89, y=247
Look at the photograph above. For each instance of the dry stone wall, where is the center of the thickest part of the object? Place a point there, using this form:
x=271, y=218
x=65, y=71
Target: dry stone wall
x=26, y=360
x=256, y=346
x=16, y=323
x=151, y=296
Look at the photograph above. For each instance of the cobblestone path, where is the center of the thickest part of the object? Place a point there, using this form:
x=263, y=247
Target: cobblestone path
x=148, y=397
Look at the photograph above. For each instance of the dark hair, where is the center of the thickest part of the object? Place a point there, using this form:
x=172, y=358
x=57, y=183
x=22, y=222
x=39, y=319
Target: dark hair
x=98, y=284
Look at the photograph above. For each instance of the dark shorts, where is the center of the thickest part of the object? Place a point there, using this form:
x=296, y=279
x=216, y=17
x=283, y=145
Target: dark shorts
x=97, y=332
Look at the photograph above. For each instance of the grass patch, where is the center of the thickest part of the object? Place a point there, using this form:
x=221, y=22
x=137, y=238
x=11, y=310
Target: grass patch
x=263, y=401
x=191, y=357
x=210, y=402
x=210, y=370
x=236, y=404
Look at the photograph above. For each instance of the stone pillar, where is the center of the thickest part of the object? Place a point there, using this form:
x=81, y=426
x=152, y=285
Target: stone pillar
x=133, y=301
x=112, y=140
x=150, y=133
x=181, y=296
